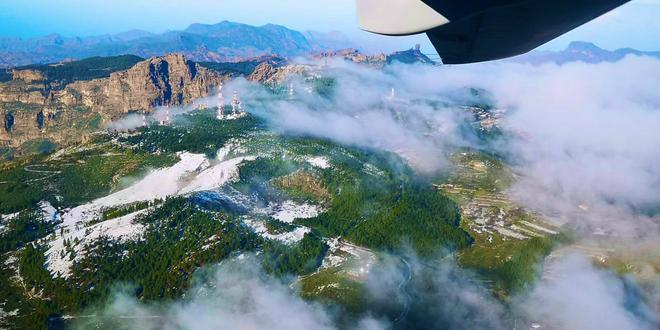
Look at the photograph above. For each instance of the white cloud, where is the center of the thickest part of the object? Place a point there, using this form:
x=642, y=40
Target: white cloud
x=233, y=295
x=578, y=296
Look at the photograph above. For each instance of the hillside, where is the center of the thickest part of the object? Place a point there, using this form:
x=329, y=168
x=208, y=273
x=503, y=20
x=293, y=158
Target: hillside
x=207, y=191
x=150, y=211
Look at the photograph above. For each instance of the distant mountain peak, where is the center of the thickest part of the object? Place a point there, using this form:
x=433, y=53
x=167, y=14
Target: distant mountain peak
x=223, y=41
x=132, y=35
x=581, y=51
x=583, y=45
x=412, y=55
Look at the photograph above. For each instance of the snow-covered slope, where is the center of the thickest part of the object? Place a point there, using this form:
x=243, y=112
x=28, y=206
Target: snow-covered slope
x=122, y=228
x=192, y=173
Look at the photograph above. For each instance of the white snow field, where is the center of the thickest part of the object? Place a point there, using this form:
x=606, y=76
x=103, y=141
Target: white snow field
x=319, y=161
x=289, y=211
x=192, y=173
x=291, y=237
x=121, y=228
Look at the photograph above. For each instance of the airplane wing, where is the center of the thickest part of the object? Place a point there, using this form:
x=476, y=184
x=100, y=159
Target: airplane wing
x=468, y=31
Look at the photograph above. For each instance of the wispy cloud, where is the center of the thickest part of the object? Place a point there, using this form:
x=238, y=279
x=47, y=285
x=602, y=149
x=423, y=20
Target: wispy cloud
x=236, y=294
x=584, y=136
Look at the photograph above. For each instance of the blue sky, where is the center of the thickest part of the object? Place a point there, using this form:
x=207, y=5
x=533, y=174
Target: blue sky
x=632, y=25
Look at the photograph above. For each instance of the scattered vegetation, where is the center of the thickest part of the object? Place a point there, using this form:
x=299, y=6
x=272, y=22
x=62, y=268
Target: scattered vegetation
x=332, y=286
x=38, y=146
x=325, y=86
x=198, y=131
x=19, y=107
x=370, y=198
x=27, y=226
x=303, y=186
x=384, y=212
x=508, y=263
x=179, y=238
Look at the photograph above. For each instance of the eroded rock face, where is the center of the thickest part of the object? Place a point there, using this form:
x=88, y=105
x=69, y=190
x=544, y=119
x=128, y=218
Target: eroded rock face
x=84, y=106
x=263, y=72
x=19, y=91
x=266, y=73
x=28, y=76
x=168, y=80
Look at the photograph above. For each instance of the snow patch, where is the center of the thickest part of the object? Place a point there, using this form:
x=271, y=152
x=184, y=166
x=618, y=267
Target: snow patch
x=48, y=211
x=291, y=237
x=231, y=147
x=4, y=315
x=159, y=183
x=354, y=260
x=290, y=211
x=156, y=185
x=6, y=217
x=9, y=216
x=215, y=176
x=372, y=170
x=121, y=228
x=319, y=161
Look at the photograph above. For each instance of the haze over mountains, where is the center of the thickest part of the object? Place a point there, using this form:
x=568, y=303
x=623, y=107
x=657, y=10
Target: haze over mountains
x=200, y=42
x=230, y=41
x=582, y=51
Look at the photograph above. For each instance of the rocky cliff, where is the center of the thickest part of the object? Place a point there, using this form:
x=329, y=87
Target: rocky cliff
x=268, y=73
x=167, y=80
x=276, y=73
x=33, y=107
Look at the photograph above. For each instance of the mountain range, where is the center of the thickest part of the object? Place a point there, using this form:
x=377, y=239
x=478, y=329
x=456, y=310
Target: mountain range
x=232, y=42
x=581, y=51
x=225, y=41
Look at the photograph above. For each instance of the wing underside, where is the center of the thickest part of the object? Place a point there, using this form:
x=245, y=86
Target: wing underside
x=483, y=30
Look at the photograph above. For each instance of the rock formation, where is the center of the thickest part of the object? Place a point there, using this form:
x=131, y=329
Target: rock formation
x=167, y=80
x=267, y=73
x=81, y=106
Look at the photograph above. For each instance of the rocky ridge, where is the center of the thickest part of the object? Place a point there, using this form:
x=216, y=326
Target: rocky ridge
x=35, y=106
x=31, y=107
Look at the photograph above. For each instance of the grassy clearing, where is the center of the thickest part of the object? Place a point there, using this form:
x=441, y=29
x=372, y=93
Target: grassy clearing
x=333, y=286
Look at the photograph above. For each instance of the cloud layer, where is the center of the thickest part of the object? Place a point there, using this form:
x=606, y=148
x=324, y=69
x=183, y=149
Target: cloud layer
x=236, y=294
x=583, y=136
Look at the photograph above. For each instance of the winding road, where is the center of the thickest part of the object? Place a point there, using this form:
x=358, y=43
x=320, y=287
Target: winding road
x=47, y=173
x=407, y=299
